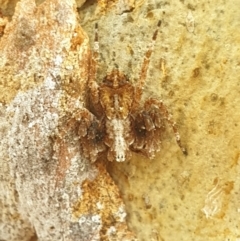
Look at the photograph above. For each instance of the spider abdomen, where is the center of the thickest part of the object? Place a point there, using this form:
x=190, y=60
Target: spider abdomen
x=118, y=139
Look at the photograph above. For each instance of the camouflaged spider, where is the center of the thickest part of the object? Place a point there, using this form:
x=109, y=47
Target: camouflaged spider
x=115, y=120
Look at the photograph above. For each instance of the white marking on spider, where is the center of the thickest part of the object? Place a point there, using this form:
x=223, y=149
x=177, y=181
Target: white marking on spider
x=119, y=140
x=96, y=46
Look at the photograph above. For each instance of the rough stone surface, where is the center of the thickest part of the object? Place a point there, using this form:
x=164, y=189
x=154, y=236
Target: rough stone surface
x=194, y=69
x=44, y=66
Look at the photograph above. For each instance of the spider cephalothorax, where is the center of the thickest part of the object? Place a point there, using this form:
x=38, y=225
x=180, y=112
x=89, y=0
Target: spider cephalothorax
x=116, y=120
x=115, y=100
x=115, y=95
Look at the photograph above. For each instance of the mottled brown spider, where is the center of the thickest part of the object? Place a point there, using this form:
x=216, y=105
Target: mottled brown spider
x=115, y=120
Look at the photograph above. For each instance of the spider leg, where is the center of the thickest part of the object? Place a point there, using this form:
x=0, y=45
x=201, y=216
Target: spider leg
x=145, y=65
x=159, y=104
x=147, y=134
x=92, y=84
x=89, y=130
x=80, y=119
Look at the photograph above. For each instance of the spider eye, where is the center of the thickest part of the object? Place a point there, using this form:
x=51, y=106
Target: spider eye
x=115, y=79
x=107, y=81
x=123, y=80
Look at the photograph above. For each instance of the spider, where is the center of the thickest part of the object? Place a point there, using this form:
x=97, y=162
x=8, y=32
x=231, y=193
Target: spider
x=115, y=120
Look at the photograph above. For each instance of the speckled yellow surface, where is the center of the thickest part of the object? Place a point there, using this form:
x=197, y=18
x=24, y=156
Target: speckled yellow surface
x=195, y=69
x=174, y=197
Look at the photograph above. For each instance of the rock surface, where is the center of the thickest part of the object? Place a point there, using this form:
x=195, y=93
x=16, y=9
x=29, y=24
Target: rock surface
x=48, y=191
x=46, y=187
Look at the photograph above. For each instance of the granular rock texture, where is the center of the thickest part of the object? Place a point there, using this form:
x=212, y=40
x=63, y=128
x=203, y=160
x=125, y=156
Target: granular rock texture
x=49, y=192
x=44, y=66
